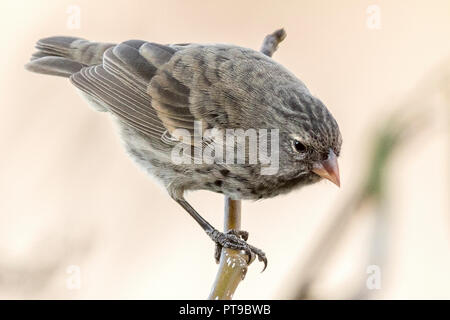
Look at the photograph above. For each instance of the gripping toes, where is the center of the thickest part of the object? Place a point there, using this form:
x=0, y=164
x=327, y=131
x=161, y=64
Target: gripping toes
x=236, y=239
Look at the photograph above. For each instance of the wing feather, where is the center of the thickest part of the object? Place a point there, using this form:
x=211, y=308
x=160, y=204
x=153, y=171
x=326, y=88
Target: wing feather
x=139, y=83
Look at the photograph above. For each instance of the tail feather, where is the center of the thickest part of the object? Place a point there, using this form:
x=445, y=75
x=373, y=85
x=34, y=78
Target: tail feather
x=55, y=66
x=63, y=56
x=58, y=46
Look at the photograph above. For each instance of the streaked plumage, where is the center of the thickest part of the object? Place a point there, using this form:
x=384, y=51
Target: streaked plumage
x=152, y=89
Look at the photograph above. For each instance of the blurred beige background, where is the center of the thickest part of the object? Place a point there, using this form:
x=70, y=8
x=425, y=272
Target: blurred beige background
x=71, y=197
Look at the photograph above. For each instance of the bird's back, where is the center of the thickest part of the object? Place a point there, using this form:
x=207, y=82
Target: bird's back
x=153, y=91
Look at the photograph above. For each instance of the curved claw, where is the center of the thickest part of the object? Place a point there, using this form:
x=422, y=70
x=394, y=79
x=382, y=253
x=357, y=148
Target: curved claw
x=261, y=256
x=248, y=252
x=243, y=234
x=264, y=260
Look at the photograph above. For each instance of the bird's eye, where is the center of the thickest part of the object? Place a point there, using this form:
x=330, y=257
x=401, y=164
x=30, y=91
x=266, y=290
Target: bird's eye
x=298, y=146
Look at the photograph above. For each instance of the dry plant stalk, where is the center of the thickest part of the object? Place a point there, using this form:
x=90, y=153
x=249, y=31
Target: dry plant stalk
x=233, y=263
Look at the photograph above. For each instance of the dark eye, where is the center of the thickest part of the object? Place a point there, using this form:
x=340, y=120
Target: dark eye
x=298, y=146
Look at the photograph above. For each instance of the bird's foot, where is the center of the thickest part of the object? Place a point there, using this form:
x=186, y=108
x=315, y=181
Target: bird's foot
x=236, y=239
x=238, y=233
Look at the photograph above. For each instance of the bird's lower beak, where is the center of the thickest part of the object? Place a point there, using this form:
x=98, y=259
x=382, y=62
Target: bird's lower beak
x=328, y=169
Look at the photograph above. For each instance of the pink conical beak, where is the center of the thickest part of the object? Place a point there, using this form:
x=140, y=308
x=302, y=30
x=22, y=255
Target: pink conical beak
x=328, y=169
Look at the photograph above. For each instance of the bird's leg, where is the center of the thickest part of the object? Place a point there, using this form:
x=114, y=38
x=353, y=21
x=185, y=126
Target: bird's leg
x=232, y=239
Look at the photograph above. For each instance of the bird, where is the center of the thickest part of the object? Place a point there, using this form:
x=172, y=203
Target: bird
x=155, y=91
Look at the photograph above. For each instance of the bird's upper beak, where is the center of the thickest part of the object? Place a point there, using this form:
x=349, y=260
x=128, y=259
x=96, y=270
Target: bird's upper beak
x=328, y=169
